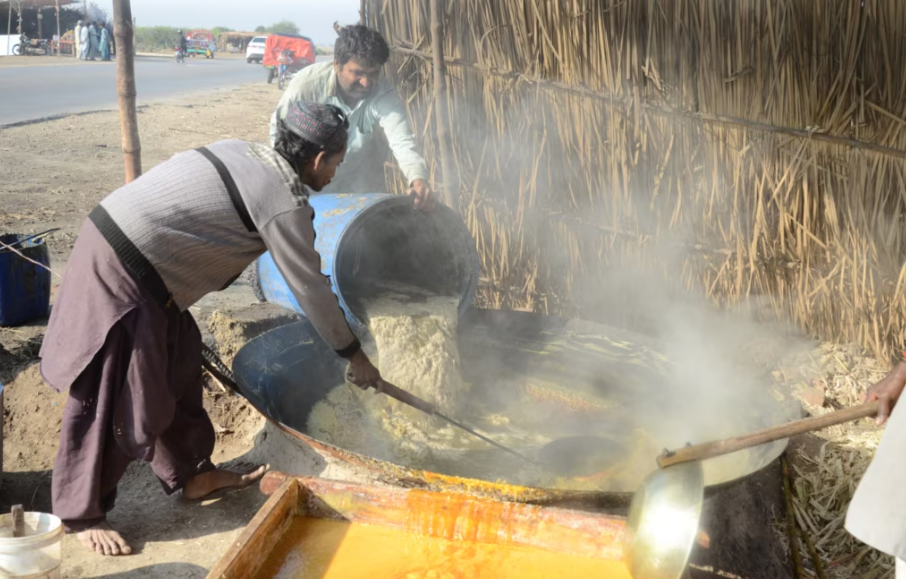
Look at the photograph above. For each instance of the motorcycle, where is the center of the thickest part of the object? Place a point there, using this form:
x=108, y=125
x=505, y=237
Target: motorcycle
x=28, y=47
x=284, y=61
x=180, y=55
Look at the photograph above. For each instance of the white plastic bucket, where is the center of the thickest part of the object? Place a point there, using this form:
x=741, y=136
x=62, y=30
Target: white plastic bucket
x=37, y=555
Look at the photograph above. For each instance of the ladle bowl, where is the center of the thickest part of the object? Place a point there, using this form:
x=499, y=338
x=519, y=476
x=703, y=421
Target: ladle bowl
x=663, y=522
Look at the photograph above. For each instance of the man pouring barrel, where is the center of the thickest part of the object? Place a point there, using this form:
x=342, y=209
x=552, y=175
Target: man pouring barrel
x=121, y=338
x=353, y=82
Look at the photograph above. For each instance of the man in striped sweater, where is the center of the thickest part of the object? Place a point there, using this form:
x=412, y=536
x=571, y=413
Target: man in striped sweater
x=121, y=338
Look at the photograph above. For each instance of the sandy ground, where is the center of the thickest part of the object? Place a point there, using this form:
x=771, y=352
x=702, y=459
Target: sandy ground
x=52, y=174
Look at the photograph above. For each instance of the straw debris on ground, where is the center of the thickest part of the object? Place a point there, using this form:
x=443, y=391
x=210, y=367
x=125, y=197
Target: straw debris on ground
x=823, y=488
x=827, y=469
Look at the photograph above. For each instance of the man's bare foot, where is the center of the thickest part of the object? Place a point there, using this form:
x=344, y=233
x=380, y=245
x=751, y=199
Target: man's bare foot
x=104, y=541
x=242, y=475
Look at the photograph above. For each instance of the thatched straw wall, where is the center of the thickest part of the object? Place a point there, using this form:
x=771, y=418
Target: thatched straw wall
x=759, y=144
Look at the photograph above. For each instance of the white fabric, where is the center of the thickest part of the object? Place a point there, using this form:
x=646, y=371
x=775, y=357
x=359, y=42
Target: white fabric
x=318, y=83
x=7, y=43
x=877, y=513
x=901, y=569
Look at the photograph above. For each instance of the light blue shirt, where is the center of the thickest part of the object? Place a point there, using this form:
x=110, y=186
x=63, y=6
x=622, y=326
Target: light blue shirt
x=318, y=83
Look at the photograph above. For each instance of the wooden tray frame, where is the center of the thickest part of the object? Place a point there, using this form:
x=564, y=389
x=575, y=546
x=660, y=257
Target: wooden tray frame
x=453, y=516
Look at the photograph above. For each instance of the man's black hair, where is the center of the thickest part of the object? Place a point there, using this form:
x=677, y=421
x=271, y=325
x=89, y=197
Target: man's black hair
x=361, y=43
x=298, y=151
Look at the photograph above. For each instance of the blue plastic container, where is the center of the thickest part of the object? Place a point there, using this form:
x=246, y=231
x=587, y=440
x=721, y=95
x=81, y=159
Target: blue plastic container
x=24, y=286
x=378, y=236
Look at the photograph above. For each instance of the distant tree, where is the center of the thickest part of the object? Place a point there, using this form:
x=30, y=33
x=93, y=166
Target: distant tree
x=261, y=29
x=156, y=38
x=284, y=27
x=218, y=30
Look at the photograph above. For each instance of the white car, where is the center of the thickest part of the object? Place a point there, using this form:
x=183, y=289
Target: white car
x=255, y=50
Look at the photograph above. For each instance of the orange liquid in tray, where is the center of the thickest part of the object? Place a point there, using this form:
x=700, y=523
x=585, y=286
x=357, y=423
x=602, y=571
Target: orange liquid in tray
x=324, y=549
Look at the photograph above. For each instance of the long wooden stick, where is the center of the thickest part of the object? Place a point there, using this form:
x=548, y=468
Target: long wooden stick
x=59, y=36
x=125, y=88
x=721, y=447
x=441, y=107
x=656, y=108
x=791, y=528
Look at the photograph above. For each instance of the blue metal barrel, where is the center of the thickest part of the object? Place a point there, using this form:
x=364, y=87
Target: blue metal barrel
x=24, y=285
x=378, y=237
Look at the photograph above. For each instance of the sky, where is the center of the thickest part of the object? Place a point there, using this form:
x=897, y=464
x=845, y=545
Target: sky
x=314, y=18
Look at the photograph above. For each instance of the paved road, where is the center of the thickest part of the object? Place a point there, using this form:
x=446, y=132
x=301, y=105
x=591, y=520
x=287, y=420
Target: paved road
x=28, y=93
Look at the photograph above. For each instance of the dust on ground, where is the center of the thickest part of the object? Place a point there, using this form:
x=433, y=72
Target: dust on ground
x=52, y=174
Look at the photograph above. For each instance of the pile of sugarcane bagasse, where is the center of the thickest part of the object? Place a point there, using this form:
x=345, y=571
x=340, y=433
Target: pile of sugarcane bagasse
x=823, y=474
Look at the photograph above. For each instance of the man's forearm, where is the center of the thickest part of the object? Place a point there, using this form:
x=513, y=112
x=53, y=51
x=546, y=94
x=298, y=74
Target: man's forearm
x=290, y=239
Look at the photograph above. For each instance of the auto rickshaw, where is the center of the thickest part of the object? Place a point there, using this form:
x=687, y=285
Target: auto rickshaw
x=200, y=43
x=199, y=48
x=285, y=55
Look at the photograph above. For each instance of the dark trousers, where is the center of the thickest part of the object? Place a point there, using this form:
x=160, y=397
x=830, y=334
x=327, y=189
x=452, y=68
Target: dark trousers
x=139, y=398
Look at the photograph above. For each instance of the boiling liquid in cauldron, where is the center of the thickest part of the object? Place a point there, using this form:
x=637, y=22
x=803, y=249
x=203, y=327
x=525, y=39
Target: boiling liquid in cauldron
x=323, y=549
x=417, y=348
x=416, y=339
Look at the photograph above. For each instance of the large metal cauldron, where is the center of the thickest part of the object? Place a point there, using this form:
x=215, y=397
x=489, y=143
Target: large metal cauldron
x=568, y=366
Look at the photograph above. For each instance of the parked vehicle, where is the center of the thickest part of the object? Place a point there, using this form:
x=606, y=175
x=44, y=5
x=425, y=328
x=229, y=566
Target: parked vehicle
x=255, y=50
x=296, y=52
x=28, y=47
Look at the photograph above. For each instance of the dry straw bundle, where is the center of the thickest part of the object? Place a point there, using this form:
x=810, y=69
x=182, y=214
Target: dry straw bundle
x=762, y=141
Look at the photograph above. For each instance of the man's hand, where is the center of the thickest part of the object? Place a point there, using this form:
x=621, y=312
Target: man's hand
x=424, y=196
x=887, y=392
x=362, y=372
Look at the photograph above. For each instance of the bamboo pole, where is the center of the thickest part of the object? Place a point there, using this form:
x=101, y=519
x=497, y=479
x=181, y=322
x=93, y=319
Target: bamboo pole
x=59, y=36
x=125, y=87
x=791, y=528
x=362, y=20
x=441, y=107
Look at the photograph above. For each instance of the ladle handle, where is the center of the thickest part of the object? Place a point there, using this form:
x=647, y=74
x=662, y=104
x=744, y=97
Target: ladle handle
x=722, y=447
x=406, y=398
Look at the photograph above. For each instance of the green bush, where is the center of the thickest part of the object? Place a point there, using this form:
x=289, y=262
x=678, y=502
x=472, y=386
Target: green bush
x=156, y=38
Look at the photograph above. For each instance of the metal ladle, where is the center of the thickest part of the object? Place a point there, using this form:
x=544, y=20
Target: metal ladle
x=665, y=511
x=423, y=405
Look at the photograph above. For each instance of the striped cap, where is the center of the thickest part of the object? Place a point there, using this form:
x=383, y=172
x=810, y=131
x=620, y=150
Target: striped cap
x=317, y=123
